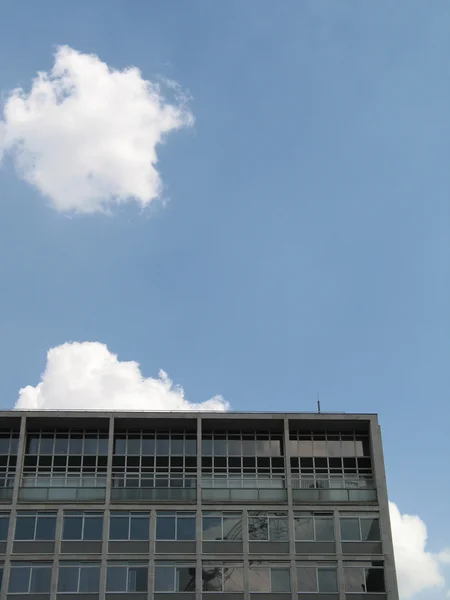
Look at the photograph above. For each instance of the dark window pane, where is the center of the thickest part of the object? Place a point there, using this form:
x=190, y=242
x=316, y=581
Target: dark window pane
x=45, y=528
x=232, y=528
x=165, y=528
x=118, y=528
x=89, y=579
x=40, y=580
x=116, y=579
x=68, y=579
x=46, y=446
x=281, y=580
x=350, y=530
x=4, y=524
x=207, y=446
x=4, y=445
x=374, y=580
x=327, y=579
x=185, y=579
x=61, y=445
x=25, y=528
x=137, y=579
x=139, y=528
x=324, y=529
x=76, y=444
x=186, y=528
x=90, y=444
x=370, y=530
x=177, y=447
x=148, y=446
x=304, y=529
x=162, y=446
x=32, y=444
x=190, y=447
x=134, y=446
x=93, y=528
x=120, y=445
x=19, y=579
x=102, y=446
x=306, y=579
x=212, y=528
x=164, y=579
x=72, y=528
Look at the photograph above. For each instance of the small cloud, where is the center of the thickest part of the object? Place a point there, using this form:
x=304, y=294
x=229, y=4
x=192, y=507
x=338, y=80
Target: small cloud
x=86, y=375
x=417, y=569
x=86, y=135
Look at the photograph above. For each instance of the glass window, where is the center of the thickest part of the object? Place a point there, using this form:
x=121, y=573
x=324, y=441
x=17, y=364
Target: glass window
x=369, y=578
x=174, y=578
x=317, y=527
x=307, y=579
x=127, y=578
x=165, y=527
x=212, y=528
x=82, y=578
x=278, y=529
x=175, y=525
x=355, y=529
x=4, y=525
x=350, y=530
x=223, y=578
x=304, y=528
x=19, y=579
x=164, y=579
x=68, y=579
x=129, y=526
x=265, y=527
x=31, y=578
x=89, y=579
x=259, y=579
x=222, y=525
x=280, y=580
x=327, y=580
x=35, y=526
x=370, y=530
x=72, y=528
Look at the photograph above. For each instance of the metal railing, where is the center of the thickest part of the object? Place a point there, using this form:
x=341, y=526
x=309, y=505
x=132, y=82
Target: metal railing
x=243, y=482
x=338, y=483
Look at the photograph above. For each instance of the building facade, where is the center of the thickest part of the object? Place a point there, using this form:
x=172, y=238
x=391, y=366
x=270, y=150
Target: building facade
x=135, y=506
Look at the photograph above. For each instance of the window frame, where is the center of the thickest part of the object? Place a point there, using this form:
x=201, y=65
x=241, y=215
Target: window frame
x=269, y=515
x=177, y=515
x=318, y=567
x=223, y=565
x=31, y=566
x=127, y=566
x=271, y=568
x=36, y=514
x=85, y=516
x=222, y=515
x=174, y=567
x=364, y=566
x=128, y=515
x=79, y=566
x=359, y=518
x=326, y=515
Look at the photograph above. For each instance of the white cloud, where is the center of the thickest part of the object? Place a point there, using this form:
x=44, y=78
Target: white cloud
x=417, y=569
x=87, y=376
x=86, y=135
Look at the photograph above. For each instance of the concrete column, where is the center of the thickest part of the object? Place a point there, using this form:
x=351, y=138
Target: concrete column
x=103, y=563
x=198, y=529
x=385, y=522
x=15, y=496
x=339, y=555
x=58, y=536
x=291, y=523
x=245, y=547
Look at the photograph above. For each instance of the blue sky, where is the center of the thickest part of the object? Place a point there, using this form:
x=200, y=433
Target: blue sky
x=303, y=243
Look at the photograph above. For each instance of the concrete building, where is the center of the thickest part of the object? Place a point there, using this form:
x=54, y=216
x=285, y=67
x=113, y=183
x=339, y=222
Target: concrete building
x=130, y=506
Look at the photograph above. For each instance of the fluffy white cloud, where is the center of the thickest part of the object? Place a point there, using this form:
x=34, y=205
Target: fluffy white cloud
x=417, y=569
x=86, y=135
x=88, y=376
